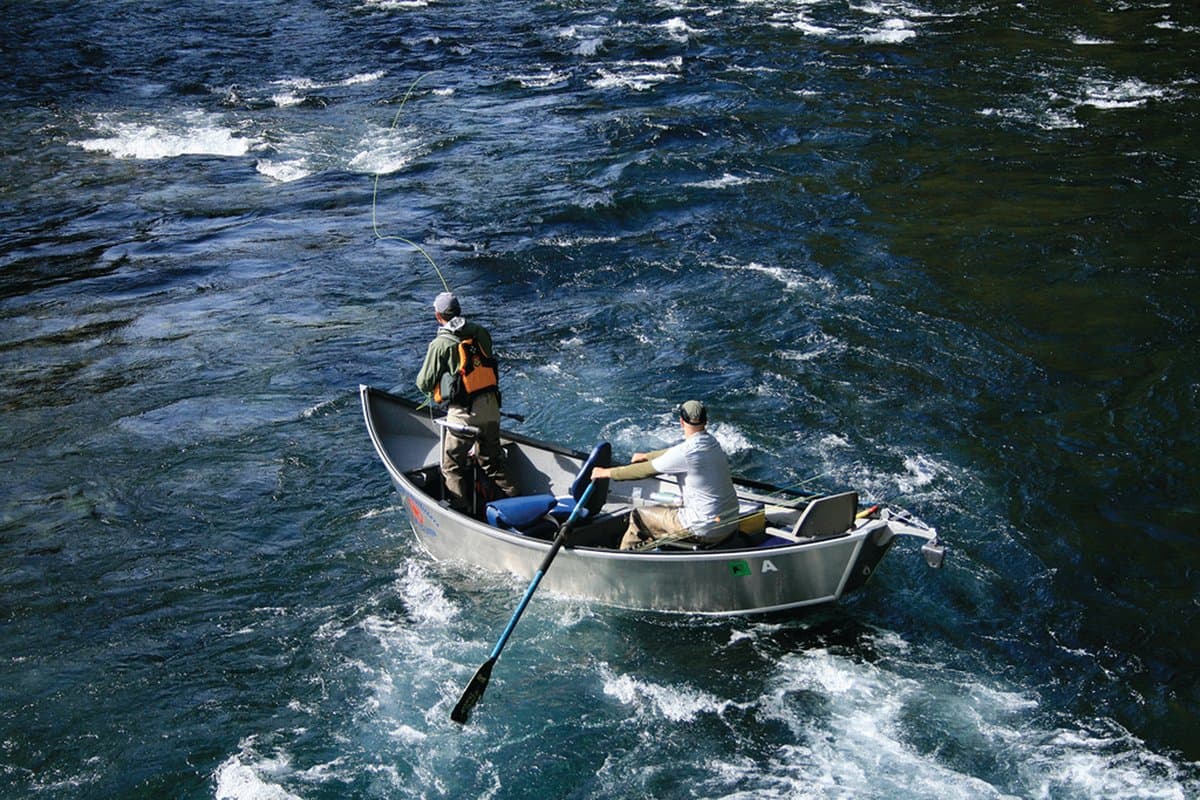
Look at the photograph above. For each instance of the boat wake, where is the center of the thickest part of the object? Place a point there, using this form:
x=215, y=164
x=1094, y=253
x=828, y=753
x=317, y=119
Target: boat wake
x=782, y=708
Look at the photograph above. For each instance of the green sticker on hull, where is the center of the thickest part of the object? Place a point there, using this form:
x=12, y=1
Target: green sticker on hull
x=739, y=568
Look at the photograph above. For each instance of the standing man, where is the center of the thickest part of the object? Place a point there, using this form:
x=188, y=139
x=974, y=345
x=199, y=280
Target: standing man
x=710, y=505
x=460, y=371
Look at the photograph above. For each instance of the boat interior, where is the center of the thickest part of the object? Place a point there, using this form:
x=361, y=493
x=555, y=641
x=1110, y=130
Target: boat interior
x=553, y=483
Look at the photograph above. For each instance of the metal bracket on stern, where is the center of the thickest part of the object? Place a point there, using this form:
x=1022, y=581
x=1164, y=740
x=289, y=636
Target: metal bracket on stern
x=903, y=523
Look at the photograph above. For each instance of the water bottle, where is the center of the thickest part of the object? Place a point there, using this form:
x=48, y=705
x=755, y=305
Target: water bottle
x=637, y=496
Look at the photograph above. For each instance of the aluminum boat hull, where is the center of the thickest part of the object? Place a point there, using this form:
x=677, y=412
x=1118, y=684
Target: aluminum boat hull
x=730, y=580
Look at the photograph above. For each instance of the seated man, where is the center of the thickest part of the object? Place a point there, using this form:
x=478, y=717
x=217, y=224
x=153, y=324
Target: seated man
x=709, y=513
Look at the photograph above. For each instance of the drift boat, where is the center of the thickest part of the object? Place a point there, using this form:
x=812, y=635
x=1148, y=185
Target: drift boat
x=790, y=551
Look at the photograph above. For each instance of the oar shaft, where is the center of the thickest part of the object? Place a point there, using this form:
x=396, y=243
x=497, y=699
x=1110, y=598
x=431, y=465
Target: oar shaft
x=541, y=570
x=478, y=684
x=512, y=623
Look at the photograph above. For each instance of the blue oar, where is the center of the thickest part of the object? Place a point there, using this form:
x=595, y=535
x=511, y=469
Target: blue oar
x=479, y=683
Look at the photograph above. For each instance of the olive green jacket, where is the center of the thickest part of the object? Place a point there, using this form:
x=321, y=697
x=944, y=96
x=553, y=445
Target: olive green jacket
x=441, y=357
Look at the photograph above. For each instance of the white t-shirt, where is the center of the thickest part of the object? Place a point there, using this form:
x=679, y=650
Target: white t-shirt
x=710, y=504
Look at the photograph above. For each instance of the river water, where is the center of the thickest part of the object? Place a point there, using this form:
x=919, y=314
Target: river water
x=941, y=252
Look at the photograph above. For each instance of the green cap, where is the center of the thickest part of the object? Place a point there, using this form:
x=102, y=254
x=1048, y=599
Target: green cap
x=693, y=412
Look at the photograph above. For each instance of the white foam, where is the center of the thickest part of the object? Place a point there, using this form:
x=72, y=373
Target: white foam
x=736, y=636
x=244, y=776
x=409, y=735
x=309, y=412
x=1085, y=40
x=892, y=8
x=371, y=513
x=1091, y=764
x=730, y=437
x=834, y=441
x=579, y=241
x=666, y=432
x=922, y=471
x=637, y=75
x=675, y=703
x=924, y=481
x=788, y=277
x=284, y=171
x=589, y=46
x=1047, y=118
x=1130, y=93
x=817, y=345
x=1056, y=109
x=678, y=29
x=424, y=598
x=389, y=5
x=722, y=182
x=286, y=99
x=791, y=278
x=804, y=25
x=418, y=659
x=860, y=746
x=385, y=153
x=893, y=31
x=190, y=133
x=863, y=739
x=541, y=80
x=363, y=77
x=590, y=38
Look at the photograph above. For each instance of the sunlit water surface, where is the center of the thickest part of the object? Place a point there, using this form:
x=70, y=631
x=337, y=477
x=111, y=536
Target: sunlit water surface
x=940, y=252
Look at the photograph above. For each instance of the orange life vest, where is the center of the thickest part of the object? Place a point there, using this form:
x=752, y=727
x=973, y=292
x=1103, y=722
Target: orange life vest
x=475, y=375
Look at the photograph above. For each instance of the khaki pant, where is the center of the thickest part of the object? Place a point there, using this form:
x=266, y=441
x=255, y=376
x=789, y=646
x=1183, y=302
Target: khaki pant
x=484, y=414
x=652, y=522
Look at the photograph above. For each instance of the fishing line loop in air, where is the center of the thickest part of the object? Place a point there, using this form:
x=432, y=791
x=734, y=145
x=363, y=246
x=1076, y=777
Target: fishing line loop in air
x=375, y=196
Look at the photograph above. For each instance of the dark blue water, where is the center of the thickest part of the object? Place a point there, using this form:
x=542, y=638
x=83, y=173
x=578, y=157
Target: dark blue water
x=940, y=252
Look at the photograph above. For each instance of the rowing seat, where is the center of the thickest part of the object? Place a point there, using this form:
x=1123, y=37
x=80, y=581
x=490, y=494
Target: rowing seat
x=542, y=514
x=828, y=516
x=823, y=518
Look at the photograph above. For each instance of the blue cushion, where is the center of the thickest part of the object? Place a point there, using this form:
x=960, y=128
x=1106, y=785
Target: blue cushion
x=519, y=512
x=775, y=541
x=523, y=513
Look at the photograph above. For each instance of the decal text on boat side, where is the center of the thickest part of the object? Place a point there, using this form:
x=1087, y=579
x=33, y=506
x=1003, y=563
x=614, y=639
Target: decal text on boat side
x=741, y=568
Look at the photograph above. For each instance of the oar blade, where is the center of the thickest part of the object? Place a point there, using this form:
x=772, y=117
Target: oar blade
x=473, y=692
